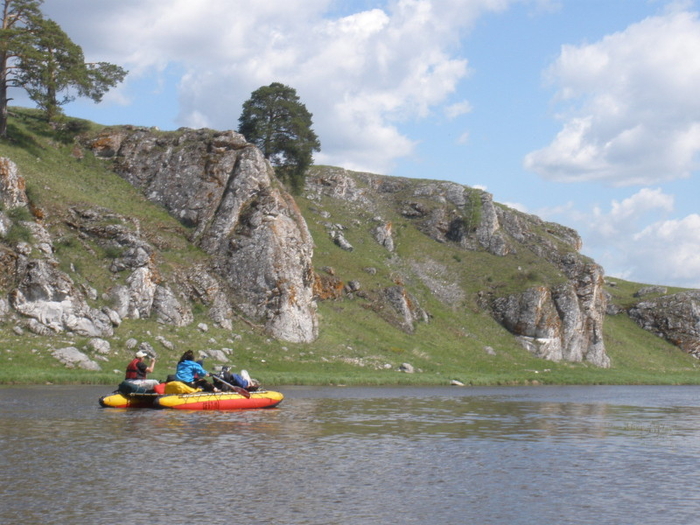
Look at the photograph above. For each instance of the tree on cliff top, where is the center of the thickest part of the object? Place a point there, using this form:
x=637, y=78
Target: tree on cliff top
x=37, y=55
x=280, y=125
x=54, y=66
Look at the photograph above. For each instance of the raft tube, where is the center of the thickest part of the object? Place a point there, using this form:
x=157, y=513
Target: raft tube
x=119, y=400
x=220, y=400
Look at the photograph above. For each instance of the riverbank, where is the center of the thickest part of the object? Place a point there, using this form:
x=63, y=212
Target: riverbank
x=637, y=357
x=345, y=354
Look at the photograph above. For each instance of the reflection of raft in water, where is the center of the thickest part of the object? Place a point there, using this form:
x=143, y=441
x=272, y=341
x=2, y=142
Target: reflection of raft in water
x=178, y=395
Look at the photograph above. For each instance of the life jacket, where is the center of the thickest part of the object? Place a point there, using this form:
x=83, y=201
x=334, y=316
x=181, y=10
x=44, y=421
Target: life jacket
x=133, y=371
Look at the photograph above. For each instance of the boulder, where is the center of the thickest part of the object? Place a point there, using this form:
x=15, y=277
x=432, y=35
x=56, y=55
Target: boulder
x=383, y=235
x=340, y=240
x=405, y=310
x=99, y=346
x=71, y=357
x=650, y=290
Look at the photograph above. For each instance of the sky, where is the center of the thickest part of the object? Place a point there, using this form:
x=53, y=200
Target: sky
x=582, y=112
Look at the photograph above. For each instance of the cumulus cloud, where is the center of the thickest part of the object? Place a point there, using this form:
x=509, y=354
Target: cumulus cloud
x=634, y=239
x=458, y=109
x=626, y=216
x=630, y=110
x=516, y=206
x=669, y=252
x=361, y=74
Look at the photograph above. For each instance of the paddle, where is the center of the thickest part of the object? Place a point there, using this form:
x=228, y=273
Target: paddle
x=236, y=389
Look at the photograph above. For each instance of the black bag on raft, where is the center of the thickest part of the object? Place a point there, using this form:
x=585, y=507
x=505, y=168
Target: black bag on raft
x=127, y=387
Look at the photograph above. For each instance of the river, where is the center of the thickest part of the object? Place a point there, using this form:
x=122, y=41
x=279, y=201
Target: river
x=326, y=456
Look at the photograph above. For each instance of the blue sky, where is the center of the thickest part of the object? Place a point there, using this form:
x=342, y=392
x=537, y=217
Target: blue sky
x=583, y=112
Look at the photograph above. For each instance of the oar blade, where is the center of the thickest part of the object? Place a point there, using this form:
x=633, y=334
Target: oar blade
x=241, y=391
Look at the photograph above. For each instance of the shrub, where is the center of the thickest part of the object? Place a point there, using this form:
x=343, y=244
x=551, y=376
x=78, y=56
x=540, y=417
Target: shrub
x=18, y=233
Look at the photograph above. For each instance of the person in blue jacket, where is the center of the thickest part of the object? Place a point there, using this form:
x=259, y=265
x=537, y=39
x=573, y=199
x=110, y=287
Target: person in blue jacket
x=192, y=373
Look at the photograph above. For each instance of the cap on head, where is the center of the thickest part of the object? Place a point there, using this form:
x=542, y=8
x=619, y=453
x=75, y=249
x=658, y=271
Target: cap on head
x=141, y=353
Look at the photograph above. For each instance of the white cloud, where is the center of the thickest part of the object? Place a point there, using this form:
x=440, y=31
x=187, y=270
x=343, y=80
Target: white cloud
x=625, y=216
x=516, y=206
x=361, y=75
x=550, y=213
x=458, y=109
x=669, y=252
x=633, y=239
x=631, y=111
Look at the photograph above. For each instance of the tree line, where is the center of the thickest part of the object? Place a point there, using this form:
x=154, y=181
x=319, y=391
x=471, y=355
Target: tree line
x=39, y=57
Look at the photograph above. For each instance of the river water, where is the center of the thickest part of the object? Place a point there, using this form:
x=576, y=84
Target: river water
x=544, y=455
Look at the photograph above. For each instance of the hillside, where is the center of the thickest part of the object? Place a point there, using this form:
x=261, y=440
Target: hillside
x=396, y=280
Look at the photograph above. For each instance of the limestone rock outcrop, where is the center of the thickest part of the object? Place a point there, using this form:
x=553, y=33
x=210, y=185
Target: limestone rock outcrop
x=12, y=185
x=408, y=255
x=42, y=292
x=554, y=321
x=223, y=188
x=674, y=317
x=49, y=297
x=144, y=292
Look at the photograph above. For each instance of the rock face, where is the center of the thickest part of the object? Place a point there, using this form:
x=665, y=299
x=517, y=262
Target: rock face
x=557, y=322
x=145, y=292
x=12, y=186
x=48, y=296
x=383, y=235
x=258, y=262
x=214, y=182
x=223, y=187
x=560, y=324
x=405, y=307
x=43, y=293
x=675, y=317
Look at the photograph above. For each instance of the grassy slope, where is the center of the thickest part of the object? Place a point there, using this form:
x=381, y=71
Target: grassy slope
x=355, y=346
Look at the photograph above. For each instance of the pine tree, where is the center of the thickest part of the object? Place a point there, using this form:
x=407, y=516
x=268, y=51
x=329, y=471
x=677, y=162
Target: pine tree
x=280, y=125
x=54, y=67
x=19, y=18
x=37, y=55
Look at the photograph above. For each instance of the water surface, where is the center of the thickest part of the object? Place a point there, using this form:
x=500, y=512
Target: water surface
x=545, y=455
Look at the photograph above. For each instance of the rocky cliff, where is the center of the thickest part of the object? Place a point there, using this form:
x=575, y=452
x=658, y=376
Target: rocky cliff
x=217, y=184
x=557, y=321
x=416, y=243
x=223, y=187
x=674, y=317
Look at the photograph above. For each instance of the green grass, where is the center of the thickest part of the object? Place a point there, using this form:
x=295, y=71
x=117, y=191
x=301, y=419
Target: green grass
x=356, y=346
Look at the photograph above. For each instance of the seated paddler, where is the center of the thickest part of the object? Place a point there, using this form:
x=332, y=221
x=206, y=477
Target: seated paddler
x=192, y=373
x=137, y=370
